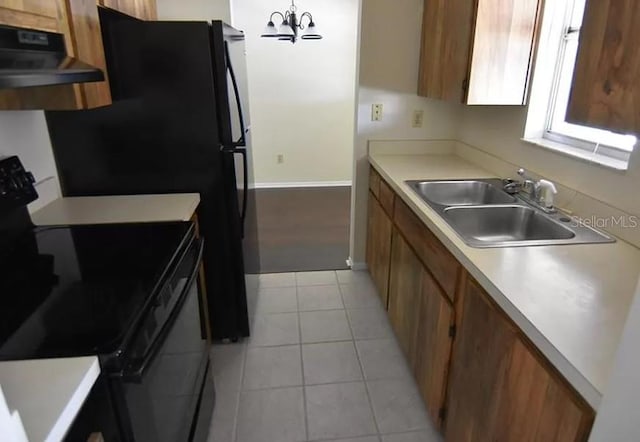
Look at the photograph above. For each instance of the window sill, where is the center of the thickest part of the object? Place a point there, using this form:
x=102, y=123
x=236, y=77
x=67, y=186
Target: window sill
x=574, y=152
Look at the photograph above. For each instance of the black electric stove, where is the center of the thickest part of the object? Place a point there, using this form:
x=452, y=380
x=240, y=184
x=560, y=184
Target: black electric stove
x=129, y=294
x=77, y=290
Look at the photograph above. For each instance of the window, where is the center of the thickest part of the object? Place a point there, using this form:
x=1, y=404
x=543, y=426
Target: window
x=598, y=145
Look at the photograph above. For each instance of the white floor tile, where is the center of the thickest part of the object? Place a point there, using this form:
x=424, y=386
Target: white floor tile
x=358, y=439
x=267, y=280
x=338, y=410
x=276, y=300
x=270, y=367
x=397, y=405
x=227, y=363
x=272, y=415
x=324, y=326
x=319, y=297
x=353, y=276
x=330, y=362
x=275, y=329
x=223, y=423
x=360, y=295
x=382, y=359
x=316, y=278
x=431, y=435
x=369, y=323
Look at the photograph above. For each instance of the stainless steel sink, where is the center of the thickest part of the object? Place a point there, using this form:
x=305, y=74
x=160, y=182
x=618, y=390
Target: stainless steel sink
x=483, y=215
x=507, y=225
x=462, y=193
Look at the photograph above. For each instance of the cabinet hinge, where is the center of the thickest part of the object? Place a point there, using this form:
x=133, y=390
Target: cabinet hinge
x=442, y=414
x=452, y=331
x=465, y=85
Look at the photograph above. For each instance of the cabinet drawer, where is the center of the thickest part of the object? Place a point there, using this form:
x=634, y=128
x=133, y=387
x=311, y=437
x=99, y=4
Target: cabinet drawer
x=386, y=197
x=374, y=182
x=438, y=260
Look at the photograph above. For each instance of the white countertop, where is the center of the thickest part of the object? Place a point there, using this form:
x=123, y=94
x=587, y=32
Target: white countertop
x=117, y=209
x=571, y=301
x=48, y=393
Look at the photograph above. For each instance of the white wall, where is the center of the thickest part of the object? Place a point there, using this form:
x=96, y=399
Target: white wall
x=25, y=134
x=498, y=130
x=302, y=95
x=618, y=418
x=194, y=10
x=389, y=62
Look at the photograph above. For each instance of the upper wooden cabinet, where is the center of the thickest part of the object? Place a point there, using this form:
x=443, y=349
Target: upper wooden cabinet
x=142, y=9
x=78, y=21
x=477, y=52
x=33, y=14
x=606, y=90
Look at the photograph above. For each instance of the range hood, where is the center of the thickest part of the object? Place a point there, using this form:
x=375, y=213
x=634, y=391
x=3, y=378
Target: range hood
x=31, y=58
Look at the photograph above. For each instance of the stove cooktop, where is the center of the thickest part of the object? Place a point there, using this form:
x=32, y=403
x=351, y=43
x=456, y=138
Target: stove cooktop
x=76, y=290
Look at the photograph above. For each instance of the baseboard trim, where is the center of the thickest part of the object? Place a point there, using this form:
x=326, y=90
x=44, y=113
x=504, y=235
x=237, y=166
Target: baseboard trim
x=295, y=184
x=356, y=265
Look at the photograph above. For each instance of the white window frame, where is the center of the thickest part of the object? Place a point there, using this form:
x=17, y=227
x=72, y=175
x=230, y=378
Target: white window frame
x=597, y=145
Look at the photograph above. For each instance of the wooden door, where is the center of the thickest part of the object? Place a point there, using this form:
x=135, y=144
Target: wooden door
x=501, y=390
x=606, y=91
x=405, y=286
x=444, y=58
x=379, y=247
x=501, y=51
x=433, y=346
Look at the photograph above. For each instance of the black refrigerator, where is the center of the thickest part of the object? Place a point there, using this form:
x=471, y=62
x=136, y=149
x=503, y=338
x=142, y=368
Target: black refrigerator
x=179, y=122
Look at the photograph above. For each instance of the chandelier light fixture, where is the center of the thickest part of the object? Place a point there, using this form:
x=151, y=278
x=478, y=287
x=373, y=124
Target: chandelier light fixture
x=288, y=30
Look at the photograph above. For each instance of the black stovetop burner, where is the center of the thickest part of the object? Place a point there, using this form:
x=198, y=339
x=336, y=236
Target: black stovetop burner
x=69, y=291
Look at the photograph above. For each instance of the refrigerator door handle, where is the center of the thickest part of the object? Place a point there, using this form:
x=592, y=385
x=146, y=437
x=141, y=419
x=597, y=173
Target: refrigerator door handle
x=241, y=141
x=245, y=180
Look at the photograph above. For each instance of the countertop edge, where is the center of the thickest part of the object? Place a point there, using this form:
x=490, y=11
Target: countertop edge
x=147, y=208
x=573, y=376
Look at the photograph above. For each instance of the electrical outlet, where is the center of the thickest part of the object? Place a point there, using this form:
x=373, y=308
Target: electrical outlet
x=376, y=112
x=280, y=158
x=418, y=118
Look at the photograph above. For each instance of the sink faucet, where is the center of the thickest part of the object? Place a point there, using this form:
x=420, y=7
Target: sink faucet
x=540, y=193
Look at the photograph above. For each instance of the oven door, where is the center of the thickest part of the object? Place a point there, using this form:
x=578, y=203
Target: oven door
x=158, y=393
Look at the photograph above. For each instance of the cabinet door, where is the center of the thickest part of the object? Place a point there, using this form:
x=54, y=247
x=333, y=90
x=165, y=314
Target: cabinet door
x=87, y=40
x=142, y=9
x=32, y=14
x=379, y=247
x=433, y=346
x=500, y=390
x=502, y=51
x=444, y=58
x=605, y=91
x=405, y=285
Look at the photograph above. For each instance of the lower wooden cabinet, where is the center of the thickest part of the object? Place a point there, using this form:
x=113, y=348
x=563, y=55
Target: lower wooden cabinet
x=379, y=228
x=433, y=346
x=500, y=389
x=421, y=318
x=405, y=284
x=480, y=377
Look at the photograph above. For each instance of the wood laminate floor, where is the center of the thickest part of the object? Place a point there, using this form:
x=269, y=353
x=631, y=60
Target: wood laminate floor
x=303, y=229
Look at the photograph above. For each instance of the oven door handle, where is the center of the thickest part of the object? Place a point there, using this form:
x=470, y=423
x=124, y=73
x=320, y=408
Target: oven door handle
x=134, y=374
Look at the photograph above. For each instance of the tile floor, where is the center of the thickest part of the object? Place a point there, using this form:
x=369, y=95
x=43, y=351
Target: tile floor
x=322, y=364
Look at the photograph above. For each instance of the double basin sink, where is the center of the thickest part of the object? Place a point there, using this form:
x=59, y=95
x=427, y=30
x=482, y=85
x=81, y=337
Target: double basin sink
x=484, y=215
